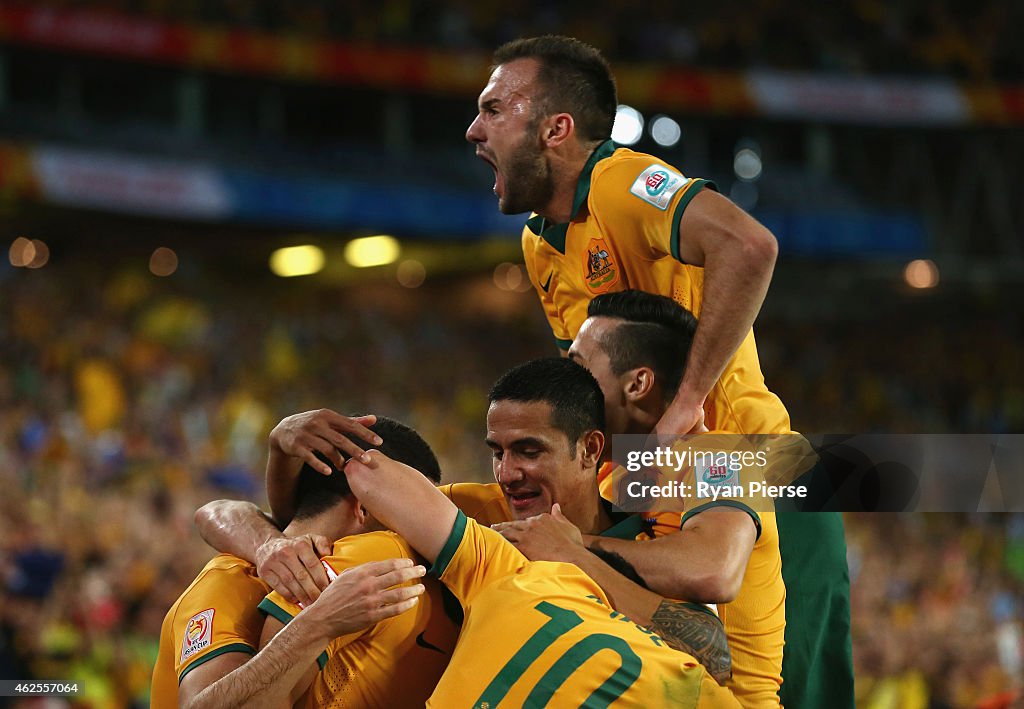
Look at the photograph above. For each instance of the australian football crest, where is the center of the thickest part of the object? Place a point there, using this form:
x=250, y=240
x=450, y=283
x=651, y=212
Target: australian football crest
x=599, y=268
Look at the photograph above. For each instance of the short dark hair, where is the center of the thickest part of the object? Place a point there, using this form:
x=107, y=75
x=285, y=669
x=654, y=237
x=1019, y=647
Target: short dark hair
x=620, y=564
x=317, y=492
x=657, y=333
x=576, y=80
x=576, y=401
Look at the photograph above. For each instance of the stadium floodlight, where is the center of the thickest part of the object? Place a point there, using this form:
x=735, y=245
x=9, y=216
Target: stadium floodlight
x=297, y=261
x=747, y=164
x=22, y=252
x=629, y=125
x=411, y=273
x=665, y=131
x=163, y=262
x=921, y=274
x=369, y=251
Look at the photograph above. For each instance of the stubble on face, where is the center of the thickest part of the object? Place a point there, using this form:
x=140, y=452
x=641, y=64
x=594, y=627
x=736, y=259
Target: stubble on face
x=529, y=184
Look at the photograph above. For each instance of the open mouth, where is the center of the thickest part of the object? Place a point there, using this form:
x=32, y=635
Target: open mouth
x=498, y=187
x=522, y=499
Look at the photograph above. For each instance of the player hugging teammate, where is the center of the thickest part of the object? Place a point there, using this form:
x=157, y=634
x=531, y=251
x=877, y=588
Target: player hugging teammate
x=540, y=592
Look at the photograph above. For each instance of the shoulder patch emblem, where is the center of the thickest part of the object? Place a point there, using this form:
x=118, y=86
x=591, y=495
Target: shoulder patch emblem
x=599, y=268
x=657, y=184
x=198, y=634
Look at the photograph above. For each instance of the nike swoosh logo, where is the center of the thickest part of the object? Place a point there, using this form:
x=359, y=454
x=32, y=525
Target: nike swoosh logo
x=422, y=642
x=547, y=284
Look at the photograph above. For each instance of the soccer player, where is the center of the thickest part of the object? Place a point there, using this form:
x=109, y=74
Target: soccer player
x=540, y=415
x=635, y=344
x=535, y=633
x=608, y=219
x=211, y=633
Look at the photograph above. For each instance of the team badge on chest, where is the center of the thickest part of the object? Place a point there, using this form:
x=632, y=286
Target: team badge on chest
x=599, y=268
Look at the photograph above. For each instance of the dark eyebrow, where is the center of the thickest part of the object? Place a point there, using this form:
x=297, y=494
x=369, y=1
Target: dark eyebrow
x=489, y=103
x=519, y=442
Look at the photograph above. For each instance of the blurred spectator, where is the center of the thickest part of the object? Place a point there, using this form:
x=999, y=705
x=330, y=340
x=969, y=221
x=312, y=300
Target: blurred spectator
x=976, y=42
x=100, y=478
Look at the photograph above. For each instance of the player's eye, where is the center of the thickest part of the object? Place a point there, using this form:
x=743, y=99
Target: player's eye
x=496, y=453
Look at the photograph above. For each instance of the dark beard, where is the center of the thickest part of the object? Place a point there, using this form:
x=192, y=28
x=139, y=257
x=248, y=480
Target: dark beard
x=528, y=182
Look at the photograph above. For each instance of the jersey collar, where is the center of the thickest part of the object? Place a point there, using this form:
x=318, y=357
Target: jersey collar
x=554, y=234
x=624, y=524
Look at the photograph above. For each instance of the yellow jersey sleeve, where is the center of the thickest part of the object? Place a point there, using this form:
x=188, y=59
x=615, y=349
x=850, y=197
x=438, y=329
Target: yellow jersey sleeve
x=217, y=615
x=641, y=201
x=473, y=558
x=484, y=503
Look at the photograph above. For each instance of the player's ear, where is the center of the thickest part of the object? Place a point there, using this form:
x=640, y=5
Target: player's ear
x=638, y=384
x=557, y=128
x=590, y=447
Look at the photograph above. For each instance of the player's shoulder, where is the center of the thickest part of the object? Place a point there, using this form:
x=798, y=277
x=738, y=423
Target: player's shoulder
x=483, y=502
x=627, y=175
x=224, y=577
x=369, y=546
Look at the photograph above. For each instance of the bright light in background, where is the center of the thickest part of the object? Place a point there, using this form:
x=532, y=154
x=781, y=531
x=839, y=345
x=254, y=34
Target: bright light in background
x=512, y=277
x=411, y=273
x=28, y=253
x=372, y=251
x=163, y=262
x=747, y=164
x=665, y=131
x=628, y=126
x=297, y=261
x=41, y=256
x=22, y=252
x=921, y=273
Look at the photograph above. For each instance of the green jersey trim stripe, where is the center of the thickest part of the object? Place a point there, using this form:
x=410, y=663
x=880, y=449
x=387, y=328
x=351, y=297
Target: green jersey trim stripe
x=233, y=647
x=677, y=216
x=272, y=609
x=725, y=503
x=448, y=550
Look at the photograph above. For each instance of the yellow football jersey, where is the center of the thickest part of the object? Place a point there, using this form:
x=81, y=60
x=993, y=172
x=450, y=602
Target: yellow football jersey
x=394, y=663
x=543, y=634
x=755, y=621
x=215, y=615
x=483, y=502
x=622, y=235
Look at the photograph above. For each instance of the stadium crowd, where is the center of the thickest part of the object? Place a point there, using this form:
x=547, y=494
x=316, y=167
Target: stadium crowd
x=128, y=403
x=923, y=37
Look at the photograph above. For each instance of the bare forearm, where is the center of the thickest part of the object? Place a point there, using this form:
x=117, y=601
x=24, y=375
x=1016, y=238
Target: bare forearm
x=234, y=527
x=696, y=632
x=680, y=566
x=268, y=679
x=404, y=501
x=736, y=281
x=282, y=479
x=683, y=626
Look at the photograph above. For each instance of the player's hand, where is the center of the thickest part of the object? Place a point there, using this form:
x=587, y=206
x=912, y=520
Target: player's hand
x=680, y=419
x=291, y=566
x=546, y=537
x=367, y=594
x=324, y=431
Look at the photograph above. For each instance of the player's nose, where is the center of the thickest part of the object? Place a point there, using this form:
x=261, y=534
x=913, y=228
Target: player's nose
x=506, y=472
x=475, y=132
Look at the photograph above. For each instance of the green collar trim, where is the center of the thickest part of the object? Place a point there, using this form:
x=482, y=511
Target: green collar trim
x=624, y=524
x=554, y=234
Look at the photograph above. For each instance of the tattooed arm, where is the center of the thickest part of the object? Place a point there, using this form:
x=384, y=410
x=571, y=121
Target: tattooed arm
x=695, y=630
x=689, y=627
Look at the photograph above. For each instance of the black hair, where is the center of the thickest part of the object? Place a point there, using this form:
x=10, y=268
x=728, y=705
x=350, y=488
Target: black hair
x=576, y=80
x=657, y=333
x=617, y=562
x=577, y=404
x=317, y=492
